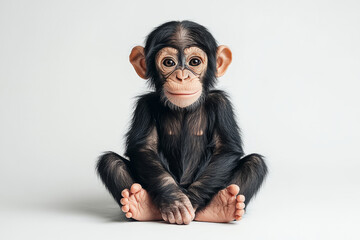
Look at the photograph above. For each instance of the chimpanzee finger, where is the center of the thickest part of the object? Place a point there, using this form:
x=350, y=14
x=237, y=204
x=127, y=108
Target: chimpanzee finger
x=178, y=217
x=185, y=215
x=190, y=209
x=171, y=217
x=164, y=216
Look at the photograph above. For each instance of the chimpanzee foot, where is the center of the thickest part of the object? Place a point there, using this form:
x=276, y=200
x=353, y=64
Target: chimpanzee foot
x=138, y=205
x=224, y=207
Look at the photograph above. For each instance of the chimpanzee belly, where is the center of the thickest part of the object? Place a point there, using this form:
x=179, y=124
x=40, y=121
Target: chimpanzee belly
x=184, y=155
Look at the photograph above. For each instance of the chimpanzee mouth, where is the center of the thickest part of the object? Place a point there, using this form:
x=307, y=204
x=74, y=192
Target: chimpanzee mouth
x=183, y=93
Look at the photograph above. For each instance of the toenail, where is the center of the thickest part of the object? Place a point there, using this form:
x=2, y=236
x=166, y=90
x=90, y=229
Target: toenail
x=124, y=193
x=240, y=205
x=125, y=208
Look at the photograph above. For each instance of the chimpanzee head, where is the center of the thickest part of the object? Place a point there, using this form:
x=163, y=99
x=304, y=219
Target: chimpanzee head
x=182, y=61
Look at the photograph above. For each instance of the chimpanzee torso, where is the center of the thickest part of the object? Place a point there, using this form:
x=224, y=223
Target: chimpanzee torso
x=185, y=140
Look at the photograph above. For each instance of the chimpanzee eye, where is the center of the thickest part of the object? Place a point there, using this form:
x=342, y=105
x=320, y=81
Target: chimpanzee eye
x=168, y=62
x=194, y=62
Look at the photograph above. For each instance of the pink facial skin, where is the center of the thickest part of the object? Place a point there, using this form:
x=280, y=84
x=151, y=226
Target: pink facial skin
x=183, y=87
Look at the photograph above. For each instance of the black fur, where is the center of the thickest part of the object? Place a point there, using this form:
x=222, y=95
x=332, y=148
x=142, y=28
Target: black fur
x=194, y=151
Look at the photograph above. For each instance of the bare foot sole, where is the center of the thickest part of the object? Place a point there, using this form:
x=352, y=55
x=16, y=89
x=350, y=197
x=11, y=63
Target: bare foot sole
x=224, y=207
x=138, y=205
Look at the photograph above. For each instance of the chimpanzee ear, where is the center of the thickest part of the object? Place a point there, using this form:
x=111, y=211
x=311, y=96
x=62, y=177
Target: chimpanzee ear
x=223, y=60
x=137, y=59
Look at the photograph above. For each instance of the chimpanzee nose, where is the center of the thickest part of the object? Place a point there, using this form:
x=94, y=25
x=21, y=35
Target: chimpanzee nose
x=182, y=75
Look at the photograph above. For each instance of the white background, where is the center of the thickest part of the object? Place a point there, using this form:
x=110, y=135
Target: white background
x=67, y=92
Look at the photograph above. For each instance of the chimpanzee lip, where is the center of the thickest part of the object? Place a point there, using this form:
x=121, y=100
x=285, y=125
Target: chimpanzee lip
x=183, y=93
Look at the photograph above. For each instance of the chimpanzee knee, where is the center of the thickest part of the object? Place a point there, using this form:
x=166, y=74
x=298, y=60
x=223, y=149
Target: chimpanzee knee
x=249, y=175
x=115, y=173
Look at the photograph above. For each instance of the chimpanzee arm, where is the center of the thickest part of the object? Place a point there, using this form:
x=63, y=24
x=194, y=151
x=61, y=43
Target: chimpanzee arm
x=226, y=154
x=149, y=171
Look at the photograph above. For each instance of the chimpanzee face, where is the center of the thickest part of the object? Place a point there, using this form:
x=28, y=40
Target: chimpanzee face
x=182, y=72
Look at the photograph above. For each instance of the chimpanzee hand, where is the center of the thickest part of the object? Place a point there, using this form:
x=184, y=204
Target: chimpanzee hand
x=179, y=210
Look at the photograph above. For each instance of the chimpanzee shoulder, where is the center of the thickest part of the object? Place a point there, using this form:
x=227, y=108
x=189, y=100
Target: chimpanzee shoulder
x=150, y=97
x=149, y=101
x=218, y=99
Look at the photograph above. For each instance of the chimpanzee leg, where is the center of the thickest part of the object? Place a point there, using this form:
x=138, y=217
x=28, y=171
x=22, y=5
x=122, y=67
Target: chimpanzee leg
x=249, y=175
x=115, y=173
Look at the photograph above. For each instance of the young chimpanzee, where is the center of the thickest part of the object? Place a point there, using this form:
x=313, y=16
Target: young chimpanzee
x=186, y=160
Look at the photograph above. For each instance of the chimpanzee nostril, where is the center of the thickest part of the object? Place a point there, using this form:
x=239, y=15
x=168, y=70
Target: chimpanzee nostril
x=182, y=75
